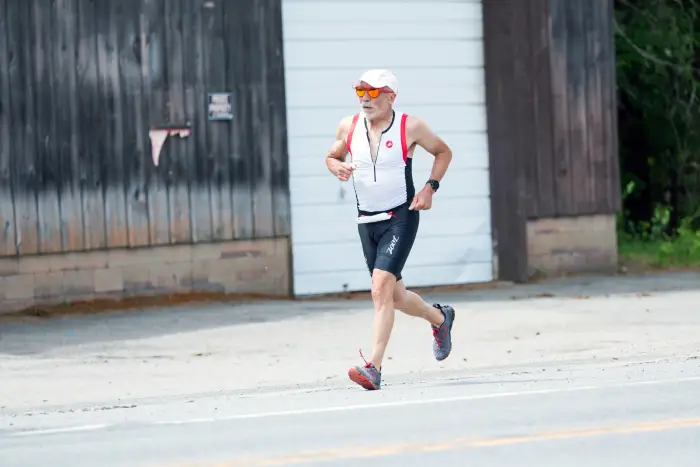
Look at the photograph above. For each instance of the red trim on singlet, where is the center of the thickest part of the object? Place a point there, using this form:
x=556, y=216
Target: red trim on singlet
x=404, y=144
x=348, y=141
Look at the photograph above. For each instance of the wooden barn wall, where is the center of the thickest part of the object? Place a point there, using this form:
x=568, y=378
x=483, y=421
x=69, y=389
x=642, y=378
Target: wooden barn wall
x=551, y=109
x=81, y=84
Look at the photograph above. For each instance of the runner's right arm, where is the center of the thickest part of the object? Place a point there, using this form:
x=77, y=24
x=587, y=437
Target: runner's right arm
x=335, y=159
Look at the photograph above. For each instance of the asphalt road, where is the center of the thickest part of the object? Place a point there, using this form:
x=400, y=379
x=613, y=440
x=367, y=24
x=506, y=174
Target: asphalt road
x=582, y=372
x=616, y=414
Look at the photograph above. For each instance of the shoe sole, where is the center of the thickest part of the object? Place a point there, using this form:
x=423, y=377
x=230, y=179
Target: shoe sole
x=358, y=378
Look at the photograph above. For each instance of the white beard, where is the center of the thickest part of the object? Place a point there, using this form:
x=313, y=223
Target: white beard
x=369, y=113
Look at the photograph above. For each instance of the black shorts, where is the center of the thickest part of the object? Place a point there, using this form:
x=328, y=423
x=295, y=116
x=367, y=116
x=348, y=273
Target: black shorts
x=387, y=244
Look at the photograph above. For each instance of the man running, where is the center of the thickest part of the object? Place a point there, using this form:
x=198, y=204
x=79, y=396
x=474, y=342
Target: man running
x=381, y=142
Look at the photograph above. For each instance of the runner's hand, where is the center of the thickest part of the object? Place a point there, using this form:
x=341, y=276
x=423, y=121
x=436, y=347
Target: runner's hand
x=423, y=200
x=344, y=171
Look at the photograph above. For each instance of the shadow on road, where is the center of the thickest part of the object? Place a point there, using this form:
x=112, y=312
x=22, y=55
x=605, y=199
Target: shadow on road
x=34, y=336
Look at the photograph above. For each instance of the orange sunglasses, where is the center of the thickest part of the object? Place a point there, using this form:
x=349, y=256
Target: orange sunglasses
x=373, y=92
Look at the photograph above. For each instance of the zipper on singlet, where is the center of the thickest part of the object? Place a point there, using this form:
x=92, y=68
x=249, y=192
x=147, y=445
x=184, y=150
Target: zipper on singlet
x=379, y=143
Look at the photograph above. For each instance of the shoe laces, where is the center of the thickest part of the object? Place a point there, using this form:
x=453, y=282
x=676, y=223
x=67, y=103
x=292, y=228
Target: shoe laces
x=367, y=364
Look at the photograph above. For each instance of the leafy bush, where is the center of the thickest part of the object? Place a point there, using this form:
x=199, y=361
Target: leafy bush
x=659, y=113
x=658, y=61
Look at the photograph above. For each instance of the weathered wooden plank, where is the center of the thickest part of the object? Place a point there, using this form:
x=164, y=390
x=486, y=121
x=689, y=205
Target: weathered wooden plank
x=522, y=109
x=8, y=246
x=109, y=17
x=507, y=212
x=198, y=157
x=241, y=148
x=49, y=123
x=20, y=44
x=598, y=176
x=154, y=74
x=90, y=169
x=68, y=132
x=141, y=194
x=538, y=38
x=279, y=160
x=260, y=121
x=609, y=107
x=217, y=137
x=577, y=72
x=136, y=151
x=176, y=152
x=560, y=79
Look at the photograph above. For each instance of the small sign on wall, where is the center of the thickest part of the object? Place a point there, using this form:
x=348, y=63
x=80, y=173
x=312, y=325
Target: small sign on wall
x=220, y=106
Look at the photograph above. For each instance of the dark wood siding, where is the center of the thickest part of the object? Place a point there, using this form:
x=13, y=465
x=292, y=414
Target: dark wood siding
x=503, y=99
x=582, y=54
x=551, y=108
x=81, y=84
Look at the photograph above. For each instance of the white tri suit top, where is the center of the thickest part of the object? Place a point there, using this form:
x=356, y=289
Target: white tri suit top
x=386, y=183
x=383, y=187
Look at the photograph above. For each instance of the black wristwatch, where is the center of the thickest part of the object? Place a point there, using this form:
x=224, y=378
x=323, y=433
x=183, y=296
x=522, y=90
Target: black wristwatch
x=433, y=183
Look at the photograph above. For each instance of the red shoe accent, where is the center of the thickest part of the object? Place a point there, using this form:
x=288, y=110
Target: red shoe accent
x=357, y=378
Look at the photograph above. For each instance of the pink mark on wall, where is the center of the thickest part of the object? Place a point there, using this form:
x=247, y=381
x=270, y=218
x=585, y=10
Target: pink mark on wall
x=158, y=138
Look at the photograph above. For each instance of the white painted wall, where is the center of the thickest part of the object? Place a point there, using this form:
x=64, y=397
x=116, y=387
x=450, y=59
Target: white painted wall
x=435, y=48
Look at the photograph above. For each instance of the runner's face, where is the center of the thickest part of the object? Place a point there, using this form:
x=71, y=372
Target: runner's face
x=378, y=105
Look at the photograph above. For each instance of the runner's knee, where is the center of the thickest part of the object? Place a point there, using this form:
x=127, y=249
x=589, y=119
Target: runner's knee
x=382, y=285
x=399, y=295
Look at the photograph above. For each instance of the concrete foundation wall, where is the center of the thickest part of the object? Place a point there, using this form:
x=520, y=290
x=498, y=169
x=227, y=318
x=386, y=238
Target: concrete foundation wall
x=572, y=245
x=256, y=266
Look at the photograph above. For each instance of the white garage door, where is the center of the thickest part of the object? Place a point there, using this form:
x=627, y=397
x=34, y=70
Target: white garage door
x=435, y=48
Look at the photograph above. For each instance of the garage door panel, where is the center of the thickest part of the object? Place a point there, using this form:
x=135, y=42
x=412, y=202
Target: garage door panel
x=450, y=250
x=324, y=188
x=319, y=224
x=389, y=29
x=427, y=251
x=469, y=151
x=342, y=230
x=428, y=93
x=335, y=85
x=323, y=122
x=331, y=282
x=436, y=49
x=329, y=257
x=323, y=223
x=427, y=276
x=325, y=54
x=465, y=183
x=414, y=276
x=458, y=173
x=450, y=216
x=305, y=149
x=314, y=11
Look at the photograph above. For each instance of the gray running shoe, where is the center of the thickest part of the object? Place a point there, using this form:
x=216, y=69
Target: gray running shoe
x=366, y=376
x=442, y=343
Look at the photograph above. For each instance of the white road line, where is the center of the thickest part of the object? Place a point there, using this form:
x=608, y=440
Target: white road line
x=378, y=405
x=68, y=429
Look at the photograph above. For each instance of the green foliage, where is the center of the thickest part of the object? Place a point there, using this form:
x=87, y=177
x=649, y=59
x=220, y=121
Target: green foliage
x=681, y=250
x=658, y=56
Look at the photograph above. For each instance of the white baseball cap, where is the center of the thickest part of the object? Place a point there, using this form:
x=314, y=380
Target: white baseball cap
x=380, y=78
